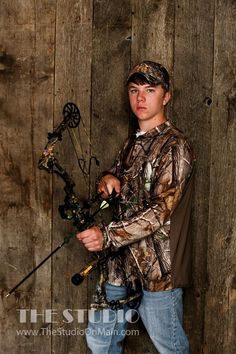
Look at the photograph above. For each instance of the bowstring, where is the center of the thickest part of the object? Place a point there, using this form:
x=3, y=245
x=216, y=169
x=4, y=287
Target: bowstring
x=79, y=152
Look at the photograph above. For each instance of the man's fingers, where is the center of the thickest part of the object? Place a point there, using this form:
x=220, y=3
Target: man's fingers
x=86, y=237
x=109, y=189
x=83, y=234
x=88, y=240
x=92, y=245
x=92, y=239
x=108, y=185
x=103, y=189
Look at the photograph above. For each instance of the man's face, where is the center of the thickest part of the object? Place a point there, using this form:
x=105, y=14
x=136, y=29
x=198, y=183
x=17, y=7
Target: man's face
x=147, y=103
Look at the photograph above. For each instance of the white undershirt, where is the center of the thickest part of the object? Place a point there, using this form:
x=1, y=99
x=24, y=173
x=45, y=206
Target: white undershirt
x=138, y=133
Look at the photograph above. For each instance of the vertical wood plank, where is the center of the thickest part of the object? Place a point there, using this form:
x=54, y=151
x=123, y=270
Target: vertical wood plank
x=152, y=31
x=110, y=67
x=152, y=39
x=72, y=83
x=193, y=59
x=26, y=78
x=220, y=318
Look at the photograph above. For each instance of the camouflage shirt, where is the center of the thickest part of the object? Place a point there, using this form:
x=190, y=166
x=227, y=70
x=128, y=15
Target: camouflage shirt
x=154, y=169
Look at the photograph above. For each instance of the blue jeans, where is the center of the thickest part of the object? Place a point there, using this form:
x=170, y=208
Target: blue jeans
x=161, y=313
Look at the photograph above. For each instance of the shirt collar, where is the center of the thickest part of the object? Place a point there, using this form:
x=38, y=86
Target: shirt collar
x=154, y=131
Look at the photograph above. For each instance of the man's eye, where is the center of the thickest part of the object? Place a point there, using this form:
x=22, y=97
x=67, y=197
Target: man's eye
x=133, y=91
x=150, y=90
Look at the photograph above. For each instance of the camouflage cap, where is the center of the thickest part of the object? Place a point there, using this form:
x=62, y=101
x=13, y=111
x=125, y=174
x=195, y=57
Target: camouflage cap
x=153, y=73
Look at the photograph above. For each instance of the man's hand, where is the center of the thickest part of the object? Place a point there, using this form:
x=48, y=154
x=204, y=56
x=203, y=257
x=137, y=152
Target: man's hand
x=92, y=238
x=107, y=184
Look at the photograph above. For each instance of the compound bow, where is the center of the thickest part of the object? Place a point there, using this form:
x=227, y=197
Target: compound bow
x=72, y=208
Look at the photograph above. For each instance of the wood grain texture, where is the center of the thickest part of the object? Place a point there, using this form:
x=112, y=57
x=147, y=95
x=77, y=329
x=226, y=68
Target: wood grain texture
x=192, y=97
x=152, y=31
x=73, y=53
x=110, y=67
x=220, y=317
x=55, y=51
x=152, y=39
x=26, y=108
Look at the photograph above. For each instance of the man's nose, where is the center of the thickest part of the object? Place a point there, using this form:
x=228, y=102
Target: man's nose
x=141, y=96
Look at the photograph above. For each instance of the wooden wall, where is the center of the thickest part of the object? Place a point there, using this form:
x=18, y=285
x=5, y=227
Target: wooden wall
x=55, y=51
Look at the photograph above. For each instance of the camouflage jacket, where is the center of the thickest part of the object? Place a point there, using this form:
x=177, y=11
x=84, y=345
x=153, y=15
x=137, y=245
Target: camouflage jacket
x=153, y=211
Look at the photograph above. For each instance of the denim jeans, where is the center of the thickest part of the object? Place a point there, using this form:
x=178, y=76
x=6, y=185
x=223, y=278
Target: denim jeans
x=161, y=313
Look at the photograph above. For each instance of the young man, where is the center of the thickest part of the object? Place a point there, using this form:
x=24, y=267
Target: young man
x=153, y=178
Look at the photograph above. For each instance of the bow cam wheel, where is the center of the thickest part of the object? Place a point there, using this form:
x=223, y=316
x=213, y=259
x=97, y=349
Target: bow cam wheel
x=71, y=115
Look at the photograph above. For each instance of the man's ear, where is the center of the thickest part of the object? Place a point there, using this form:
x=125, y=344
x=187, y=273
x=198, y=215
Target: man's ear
x=166, y=98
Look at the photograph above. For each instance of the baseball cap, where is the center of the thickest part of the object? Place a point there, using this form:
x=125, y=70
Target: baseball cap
x=150, y=72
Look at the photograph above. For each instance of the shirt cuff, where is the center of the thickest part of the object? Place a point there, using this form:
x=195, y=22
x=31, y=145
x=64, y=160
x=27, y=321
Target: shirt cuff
x=106, y=238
